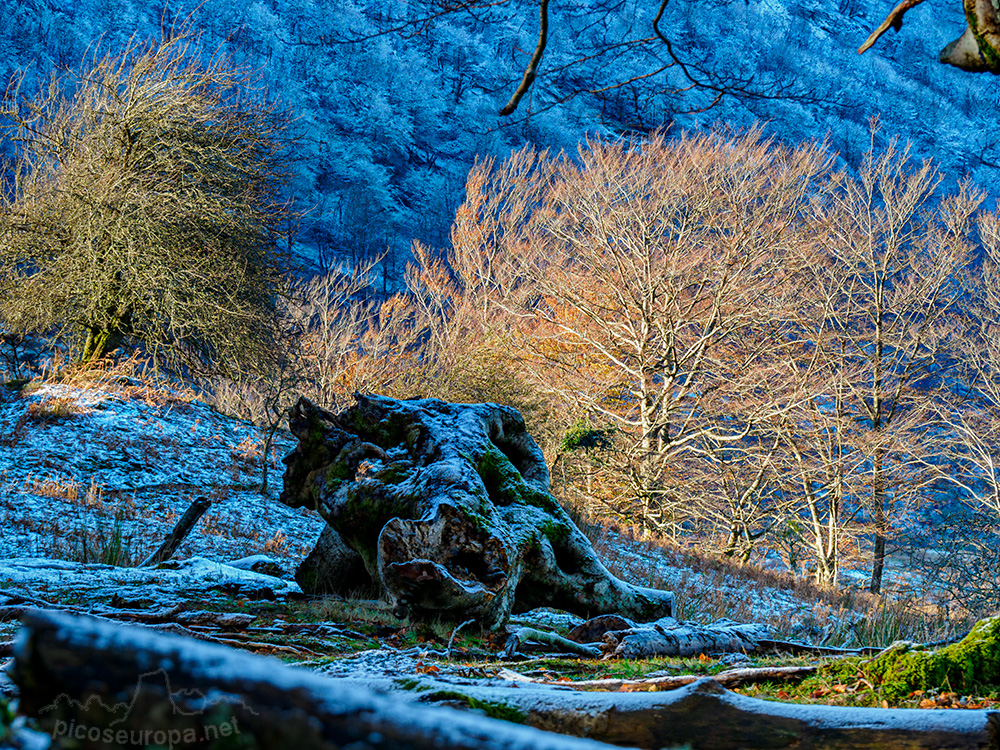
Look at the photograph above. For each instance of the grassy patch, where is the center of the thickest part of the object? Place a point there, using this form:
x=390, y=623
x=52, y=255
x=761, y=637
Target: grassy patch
x=837, y=616
x=411, y=684
x=493, y=709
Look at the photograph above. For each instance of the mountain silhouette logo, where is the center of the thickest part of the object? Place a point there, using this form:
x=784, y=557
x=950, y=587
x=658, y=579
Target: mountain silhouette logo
x=184, y=702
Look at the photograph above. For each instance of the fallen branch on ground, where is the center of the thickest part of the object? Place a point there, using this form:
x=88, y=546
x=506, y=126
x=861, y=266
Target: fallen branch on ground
x=530, y=635
x=729, y=679
x=807, y=649
x=181, y=529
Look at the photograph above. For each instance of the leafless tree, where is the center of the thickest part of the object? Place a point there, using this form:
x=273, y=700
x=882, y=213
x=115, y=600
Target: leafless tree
x=147, y=209
x=972, y=417
x=644, y=274
x=896, y=256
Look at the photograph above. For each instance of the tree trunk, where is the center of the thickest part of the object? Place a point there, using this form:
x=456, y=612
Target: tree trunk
x=100, y=343
x=78, y=673
x=448, y=508
x=978, y=49
x=879, y=520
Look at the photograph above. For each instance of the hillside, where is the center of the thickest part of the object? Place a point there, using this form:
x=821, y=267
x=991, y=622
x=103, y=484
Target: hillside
x=96, y=471
x=394, y=102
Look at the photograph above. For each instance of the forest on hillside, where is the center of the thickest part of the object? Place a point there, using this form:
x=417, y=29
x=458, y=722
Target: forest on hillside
x=394, y=101
x=769, y=338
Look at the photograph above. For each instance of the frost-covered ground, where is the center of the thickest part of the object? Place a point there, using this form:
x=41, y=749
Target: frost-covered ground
x=82, y=465
x=100, y=472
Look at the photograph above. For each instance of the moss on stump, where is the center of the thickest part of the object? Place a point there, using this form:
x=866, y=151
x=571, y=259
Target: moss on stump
x=971, y=664
x=446, y=510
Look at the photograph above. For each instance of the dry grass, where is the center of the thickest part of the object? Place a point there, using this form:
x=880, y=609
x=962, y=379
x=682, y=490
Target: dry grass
x=54, y=409
x=129, y=378
x=832, y=616
x=250, y=452
x=276, y=545
x=107, y=536
x=90, y=530
x=69, y=490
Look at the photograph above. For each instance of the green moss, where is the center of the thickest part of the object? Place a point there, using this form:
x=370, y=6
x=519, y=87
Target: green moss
x=506, y=486
x=493, y=709
x=7, y=716
x=408, y=683
x=972, y=663
x=374, y=426
x=555, y=532
x=333, y=482
x=395, y=473
x=583, y=436
x=363, y=510
x=990, y=53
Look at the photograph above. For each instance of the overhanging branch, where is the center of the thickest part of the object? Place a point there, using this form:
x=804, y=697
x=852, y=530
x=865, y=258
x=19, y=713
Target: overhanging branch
x=532, y=70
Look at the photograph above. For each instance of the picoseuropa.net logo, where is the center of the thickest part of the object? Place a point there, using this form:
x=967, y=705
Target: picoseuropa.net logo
x=107, y=724
x=170, y=738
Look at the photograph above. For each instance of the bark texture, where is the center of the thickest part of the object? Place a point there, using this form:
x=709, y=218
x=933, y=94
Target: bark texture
x=84, y=672
x=669, y=637
x=978, y=49
x=705, y=716
x=447, y=507
x=80, y=672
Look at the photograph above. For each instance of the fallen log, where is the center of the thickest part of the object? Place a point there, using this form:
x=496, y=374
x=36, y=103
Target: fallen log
x=669, y=637
x=80, y=672
x=177, y=615
x=445, y=509
x=705, y=716
x=765, y=645
x=520, y=636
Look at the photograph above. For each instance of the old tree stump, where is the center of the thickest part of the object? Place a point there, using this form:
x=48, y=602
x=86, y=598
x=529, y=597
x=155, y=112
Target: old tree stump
x=445, y=510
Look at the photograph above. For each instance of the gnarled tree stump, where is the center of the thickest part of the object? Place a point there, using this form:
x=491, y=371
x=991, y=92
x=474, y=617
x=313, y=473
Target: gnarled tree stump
x=447, y=508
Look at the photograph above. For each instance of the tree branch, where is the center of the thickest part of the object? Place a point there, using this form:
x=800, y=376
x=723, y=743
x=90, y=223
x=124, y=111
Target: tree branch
x=894, y=19
x=536, y=57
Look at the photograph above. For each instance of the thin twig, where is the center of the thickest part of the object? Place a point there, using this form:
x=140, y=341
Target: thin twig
x=447, y=651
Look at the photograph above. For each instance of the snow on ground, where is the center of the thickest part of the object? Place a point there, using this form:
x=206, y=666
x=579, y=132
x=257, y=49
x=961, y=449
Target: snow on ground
x=83, y=466
x=168, y=584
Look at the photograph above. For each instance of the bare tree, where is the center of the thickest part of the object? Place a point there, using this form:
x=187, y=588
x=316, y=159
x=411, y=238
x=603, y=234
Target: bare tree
x=645, y=273
x=895, y=261
x=972, y=418
x=147, y=209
